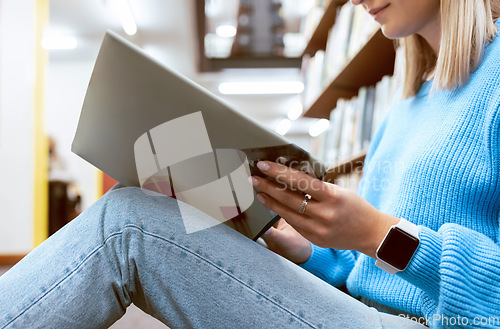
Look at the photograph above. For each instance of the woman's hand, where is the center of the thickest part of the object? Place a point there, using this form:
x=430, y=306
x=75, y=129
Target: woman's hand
x=284, y=240
x=334, y=217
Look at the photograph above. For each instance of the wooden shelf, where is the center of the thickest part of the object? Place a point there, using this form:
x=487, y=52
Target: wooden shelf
x=345, y=167
x=217, y=64
x=374, y=60
x=320, y=34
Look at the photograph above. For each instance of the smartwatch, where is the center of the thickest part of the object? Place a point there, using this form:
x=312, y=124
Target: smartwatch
x=398, y=246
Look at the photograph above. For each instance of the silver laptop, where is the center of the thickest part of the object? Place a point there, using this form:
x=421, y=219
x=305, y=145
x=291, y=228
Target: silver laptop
x=145, y=125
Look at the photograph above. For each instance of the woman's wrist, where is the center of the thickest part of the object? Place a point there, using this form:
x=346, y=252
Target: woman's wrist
x=377, y=232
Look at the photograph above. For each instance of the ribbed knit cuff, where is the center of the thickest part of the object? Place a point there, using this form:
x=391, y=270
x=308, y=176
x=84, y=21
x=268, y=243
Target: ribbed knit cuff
x=423, y=269
x=321, y=263
x=331, y=265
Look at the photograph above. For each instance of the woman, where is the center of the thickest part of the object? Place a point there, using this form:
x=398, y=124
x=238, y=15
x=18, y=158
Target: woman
x=434, y=162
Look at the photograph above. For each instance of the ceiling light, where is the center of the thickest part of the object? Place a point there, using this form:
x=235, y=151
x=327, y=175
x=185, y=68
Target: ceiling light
x=261, y=88
x=283, y=127
x=319, y=127
x=295, y=111
x=126, y=17
x=57, y=43
x=225, y=31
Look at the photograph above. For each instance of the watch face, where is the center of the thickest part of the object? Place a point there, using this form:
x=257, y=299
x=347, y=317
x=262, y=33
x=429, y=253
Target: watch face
x=398, y=248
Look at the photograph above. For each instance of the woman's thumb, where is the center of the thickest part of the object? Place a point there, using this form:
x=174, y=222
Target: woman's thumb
x=274, y=238
x=270, y=234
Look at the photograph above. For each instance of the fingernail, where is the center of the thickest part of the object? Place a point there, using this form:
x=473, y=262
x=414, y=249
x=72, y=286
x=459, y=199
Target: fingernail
x=267, y=232
x=254, y=181
x=263, y=166
x=261, y=198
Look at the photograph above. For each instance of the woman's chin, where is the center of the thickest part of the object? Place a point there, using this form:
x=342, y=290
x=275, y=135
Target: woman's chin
x=389, y=33
x=392, y=33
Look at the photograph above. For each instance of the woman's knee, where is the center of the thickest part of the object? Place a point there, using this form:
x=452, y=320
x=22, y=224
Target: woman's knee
x=137, y=207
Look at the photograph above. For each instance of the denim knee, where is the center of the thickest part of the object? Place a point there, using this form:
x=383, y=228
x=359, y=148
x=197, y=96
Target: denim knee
x=136, y=207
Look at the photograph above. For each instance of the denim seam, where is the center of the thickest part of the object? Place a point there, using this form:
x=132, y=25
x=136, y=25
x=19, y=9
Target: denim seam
x=225, y=272
x=112, y=235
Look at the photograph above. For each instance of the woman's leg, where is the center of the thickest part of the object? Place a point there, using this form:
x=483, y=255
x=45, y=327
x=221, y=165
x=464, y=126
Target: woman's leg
x=132, y=247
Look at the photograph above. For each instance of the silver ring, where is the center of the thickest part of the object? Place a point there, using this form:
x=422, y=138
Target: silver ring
x=302, y=209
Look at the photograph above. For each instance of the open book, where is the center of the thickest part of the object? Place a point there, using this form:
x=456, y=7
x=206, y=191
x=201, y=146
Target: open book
x=147, y=126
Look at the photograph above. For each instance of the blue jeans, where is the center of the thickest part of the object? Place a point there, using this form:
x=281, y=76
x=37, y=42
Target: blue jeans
x=131, y=247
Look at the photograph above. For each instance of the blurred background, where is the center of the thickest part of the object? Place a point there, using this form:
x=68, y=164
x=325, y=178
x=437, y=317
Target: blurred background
x=47, y=52
x=308, y=54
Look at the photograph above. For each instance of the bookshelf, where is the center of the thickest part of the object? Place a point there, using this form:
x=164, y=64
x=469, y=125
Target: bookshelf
x=320, y=34
x=345, y=167
x=364, y=69
x=241, y=56
x=368, y=63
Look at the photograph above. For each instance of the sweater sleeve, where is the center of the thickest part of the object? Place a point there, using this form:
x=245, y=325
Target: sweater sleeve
x=331, y=265
x=459, y=271
x=459, y=268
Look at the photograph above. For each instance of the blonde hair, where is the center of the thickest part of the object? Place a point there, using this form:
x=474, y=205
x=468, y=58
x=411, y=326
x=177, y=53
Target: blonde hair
x=466, y=27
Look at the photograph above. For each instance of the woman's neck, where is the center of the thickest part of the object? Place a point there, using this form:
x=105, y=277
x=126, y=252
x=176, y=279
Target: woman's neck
x=432, y=34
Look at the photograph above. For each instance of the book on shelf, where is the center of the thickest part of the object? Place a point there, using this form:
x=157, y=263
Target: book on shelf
x=348, y=124
x=338, y=41
x=319, y=146
x=352, y=29
x=349, y=181
x=313, y=76
x=333, y=133
x=368, y=120
x=382, y=102
x=313, y=17
x=387, y=90
x=363, y=26
x=359, y=121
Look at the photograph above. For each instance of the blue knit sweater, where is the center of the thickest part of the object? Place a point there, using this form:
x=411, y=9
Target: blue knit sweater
x=436, y=162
